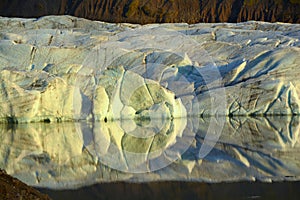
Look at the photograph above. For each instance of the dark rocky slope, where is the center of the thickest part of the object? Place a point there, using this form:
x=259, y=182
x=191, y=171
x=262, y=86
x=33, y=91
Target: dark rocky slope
x=13, y=189
x=150, y=11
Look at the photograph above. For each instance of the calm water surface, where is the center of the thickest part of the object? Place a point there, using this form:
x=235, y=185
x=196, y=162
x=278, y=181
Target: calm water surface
x=182, y=190
x=170, y=158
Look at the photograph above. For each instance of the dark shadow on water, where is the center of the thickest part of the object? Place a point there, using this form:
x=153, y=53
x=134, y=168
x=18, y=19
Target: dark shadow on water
x=181, y=190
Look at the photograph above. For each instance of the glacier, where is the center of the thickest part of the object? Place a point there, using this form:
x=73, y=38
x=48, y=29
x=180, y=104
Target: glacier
x=62, y=68
x=127, y=102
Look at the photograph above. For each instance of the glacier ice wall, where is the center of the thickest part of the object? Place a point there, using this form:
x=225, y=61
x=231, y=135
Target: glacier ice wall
x=61, y=68
x=148, y=99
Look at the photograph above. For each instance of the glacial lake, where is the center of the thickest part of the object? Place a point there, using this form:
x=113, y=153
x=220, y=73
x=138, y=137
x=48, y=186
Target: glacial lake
x=189, y=157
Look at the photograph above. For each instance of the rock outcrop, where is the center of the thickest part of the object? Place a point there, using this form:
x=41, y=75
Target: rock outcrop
x=12, y=188
x=158, y=11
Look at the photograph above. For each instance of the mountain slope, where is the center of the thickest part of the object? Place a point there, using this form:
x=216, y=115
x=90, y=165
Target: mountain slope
x=158, y=11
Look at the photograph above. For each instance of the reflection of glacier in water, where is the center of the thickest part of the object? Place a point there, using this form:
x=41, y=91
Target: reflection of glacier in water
x=141, y=146
x=71, y=155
